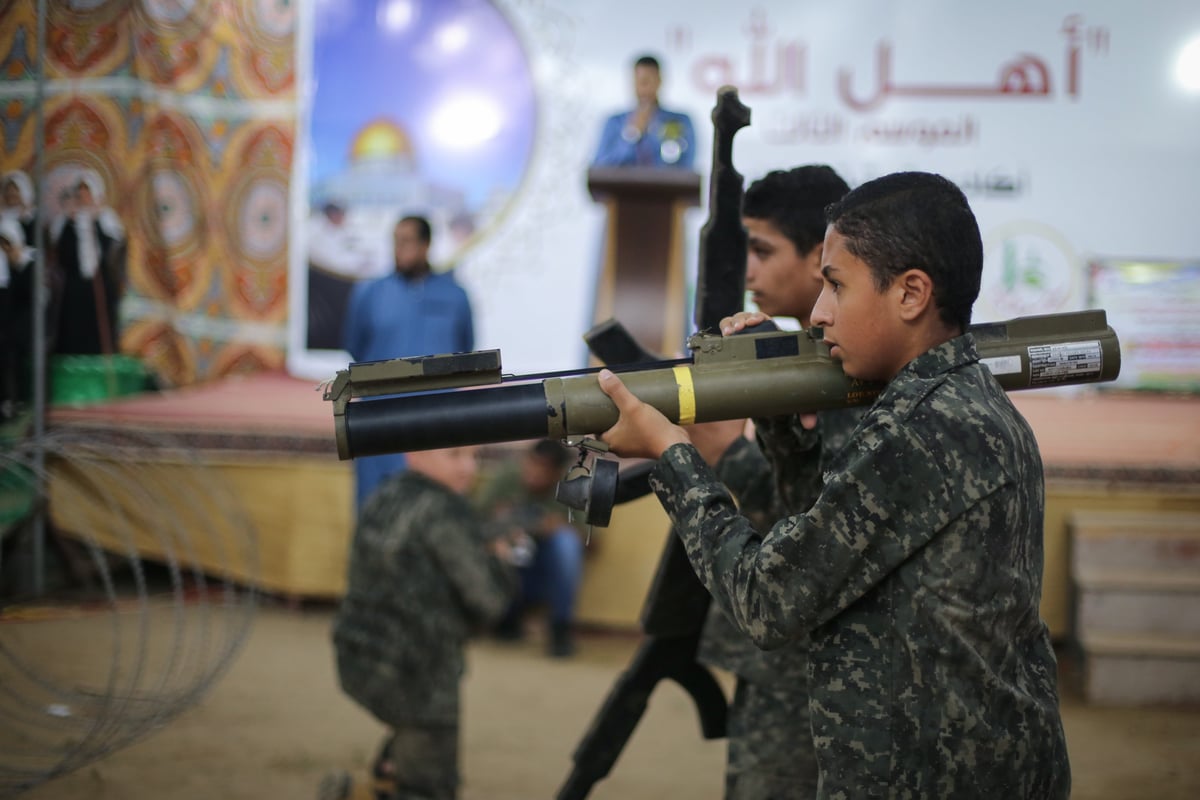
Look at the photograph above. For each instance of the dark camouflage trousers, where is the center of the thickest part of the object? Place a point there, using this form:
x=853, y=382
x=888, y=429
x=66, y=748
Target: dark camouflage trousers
x=771, y=754
x=424, y=761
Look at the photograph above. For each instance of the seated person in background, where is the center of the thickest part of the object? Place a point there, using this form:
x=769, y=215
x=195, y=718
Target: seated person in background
x=519, y=503
x=648, y=135
x=422, y=578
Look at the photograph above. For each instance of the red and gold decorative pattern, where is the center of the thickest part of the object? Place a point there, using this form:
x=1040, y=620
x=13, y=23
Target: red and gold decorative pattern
x=18, y=30
x=168, y=353
x=165, y=104
x=174, y=45
x=171, y=213
x=87, y=39
x=84, y=132
x=265, y=64
x=255, y=218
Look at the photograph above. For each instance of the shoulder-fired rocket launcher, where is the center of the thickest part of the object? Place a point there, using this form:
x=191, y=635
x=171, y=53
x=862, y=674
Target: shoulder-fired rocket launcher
x=431, y=402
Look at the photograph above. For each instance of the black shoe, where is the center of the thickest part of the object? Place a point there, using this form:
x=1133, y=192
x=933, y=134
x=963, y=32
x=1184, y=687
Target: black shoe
x=562, y=642
x=509, y=629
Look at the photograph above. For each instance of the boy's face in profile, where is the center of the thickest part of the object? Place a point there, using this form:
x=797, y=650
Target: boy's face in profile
x=860, y=323
x=781, y=281
x=455, y=467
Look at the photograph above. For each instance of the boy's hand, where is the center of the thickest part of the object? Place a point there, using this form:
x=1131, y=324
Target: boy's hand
x=641, y=431
x=742, y=320
x=748, y=319
x=501, y=549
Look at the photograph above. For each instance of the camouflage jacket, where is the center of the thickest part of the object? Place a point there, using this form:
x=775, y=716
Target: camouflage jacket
x=916, y=575
x=749, y=477
x=420, y=580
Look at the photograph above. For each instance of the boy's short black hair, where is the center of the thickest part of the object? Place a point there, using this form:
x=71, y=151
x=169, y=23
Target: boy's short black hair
x=794, y=201
x=916, y=220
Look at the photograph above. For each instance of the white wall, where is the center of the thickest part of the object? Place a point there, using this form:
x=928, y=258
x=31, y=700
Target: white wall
x=1106, y=166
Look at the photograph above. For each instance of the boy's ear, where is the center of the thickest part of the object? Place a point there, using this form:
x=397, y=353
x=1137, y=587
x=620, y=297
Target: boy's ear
x=914, y=290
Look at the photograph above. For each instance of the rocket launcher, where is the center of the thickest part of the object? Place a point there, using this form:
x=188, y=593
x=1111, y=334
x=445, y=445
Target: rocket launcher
x=432, y=402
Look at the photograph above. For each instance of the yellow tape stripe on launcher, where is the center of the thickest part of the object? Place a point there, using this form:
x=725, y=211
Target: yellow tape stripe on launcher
x=687, y=395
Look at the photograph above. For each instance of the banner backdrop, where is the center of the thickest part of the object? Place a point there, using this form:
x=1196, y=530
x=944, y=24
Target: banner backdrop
x=1072, y=127
x=185, y=113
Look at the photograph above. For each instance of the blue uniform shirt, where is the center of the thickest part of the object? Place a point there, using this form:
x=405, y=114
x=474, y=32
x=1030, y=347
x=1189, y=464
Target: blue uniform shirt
x=669, y=141
x=393, y=317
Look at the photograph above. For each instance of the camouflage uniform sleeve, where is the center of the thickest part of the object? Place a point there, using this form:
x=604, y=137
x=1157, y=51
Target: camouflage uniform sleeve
x=484, y=584
x=881, y=504
x=747, y=473
x=793, y=453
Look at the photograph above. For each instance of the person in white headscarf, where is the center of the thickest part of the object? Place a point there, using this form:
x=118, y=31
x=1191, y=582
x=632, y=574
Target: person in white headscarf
x=17, y=203
x=89, y=255
x=16, y=301
x=15, y=255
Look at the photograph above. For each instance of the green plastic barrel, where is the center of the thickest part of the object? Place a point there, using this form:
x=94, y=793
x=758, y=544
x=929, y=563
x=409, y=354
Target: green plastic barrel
x=83, y=380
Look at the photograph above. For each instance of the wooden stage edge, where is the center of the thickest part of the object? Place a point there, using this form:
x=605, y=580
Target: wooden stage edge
x=270, y=436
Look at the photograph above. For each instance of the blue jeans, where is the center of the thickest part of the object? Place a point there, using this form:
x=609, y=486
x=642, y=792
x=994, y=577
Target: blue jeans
x=554, y=575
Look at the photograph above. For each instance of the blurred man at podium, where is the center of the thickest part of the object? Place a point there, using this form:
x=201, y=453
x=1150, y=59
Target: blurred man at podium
x=648, y=135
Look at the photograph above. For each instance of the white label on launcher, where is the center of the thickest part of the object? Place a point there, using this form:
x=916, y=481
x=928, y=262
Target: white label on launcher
x=1002, y=365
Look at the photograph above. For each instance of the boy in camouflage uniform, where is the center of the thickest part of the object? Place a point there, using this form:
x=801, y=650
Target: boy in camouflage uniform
x=916, y=574
x=770, y=751
x=421, y=580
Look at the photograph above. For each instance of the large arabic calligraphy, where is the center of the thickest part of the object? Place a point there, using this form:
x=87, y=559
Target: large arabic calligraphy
x=780, y=66
x=1025, y=76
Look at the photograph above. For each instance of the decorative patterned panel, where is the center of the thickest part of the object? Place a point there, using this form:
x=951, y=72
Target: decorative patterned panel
x=176, y=105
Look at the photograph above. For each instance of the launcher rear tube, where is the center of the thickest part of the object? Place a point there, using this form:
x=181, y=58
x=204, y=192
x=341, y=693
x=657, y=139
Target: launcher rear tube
x=445, y=419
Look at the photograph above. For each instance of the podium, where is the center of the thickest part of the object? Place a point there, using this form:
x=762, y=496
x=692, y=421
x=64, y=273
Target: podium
x=641, y=281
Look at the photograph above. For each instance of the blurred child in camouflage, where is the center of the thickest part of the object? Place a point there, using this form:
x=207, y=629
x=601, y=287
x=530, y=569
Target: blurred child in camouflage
x=916, y=574
x=770, y=751
x=421, y=580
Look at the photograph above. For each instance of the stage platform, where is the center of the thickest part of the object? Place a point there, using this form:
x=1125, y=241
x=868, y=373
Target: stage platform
x=270, y=436
x=267, y=438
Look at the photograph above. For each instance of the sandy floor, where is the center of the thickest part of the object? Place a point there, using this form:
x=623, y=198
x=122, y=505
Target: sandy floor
x=276, y=722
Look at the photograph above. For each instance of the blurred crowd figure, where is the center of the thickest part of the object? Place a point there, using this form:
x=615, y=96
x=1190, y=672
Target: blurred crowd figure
x=519, y=503
x=85, y=266
x=88, y=244
x=337, y=258
x=410, y=311
x=18, y=226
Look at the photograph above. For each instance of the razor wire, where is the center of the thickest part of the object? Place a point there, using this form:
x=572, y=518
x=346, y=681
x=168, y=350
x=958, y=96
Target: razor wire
x=172, y=558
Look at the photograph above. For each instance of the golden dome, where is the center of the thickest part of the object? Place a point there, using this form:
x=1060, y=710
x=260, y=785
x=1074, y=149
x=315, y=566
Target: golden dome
x=380, y=139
